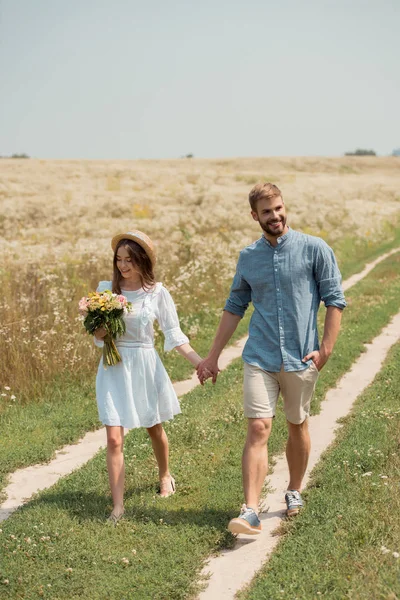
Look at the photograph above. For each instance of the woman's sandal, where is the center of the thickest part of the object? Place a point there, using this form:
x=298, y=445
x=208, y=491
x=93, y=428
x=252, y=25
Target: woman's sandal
x=164, y=486
x=115, y=517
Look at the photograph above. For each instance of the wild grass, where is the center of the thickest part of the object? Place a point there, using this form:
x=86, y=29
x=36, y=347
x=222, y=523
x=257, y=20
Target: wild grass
x=346, y=543
x=58, y=545
x=57, y=217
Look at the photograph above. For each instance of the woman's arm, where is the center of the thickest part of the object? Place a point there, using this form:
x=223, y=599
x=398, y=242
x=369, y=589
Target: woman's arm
x=187, y=352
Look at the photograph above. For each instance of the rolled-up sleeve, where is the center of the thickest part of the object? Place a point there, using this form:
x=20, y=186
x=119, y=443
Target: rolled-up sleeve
x=328, y=277
x=167, y=317
x=239, y=295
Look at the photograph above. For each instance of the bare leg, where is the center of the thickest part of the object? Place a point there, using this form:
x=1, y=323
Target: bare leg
x=297, y=452
x=159, y=441
x=255, y=460
x=116, y=467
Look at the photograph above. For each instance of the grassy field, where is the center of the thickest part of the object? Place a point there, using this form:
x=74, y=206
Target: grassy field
x=55, y=255
x=66, y=408
x=56, y=220
x=59, y=546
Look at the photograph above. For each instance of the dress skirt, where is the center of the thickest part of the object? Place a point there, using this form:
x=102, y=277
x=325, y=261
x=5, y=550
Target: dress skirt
x=136, y=392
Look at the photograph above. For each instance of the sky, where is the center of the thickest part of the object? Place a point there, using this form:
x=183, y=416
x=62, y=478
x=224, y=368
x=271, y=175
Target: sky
x=154, y=79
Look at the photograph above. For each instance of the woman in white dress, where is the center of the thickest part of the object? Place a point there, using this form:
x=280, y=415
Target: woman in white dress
x=137, y=391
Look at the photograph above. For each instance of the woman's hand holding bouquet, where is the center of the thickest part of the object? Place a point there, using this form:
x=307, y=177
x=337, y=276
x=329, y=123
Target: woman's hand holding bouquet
x=103, y=314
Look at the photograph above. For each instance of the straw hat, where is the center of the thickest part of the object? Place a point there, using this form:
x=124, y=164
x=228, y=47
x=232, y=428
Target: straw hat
x=140, y=238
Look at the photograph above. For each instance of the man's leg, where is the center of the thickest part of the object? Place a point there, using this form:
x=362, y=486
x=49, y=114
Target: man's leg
x=255, y=460
x=254, y=471
x=297, y=389
x=261, y=391
x=297, y=453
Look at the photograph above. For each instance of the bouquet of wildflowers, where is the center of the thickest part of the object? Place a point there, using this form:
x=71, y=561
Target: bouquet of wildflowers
x=105, y=309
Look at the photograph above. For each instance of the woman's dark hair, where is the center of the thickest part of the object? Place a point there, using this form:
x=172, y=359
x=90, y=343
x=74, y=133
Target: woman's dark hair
x=140, y=259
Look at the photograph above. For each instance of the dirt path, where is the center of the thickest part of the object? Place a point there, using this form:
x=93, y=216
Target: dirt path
x=30, y=480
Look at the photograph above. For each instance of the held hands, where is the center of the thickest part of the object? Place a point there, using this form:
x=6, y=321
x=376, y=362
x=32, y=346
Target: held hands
x=206, y=369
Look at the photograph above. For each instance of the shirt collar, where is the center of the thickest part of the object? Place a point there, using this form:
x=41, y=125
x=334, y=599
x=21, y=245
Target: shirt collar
x=281, y=239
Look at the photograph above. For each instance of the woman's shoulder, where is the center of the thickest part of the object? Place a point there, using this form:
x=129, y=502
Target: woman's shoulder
x=157, y=290
x=104, y=285
x=160, y=294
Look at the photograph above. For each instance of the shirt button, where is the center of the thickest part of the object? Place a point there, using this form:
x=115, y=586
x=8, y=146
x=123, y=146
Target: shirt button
x=280, y=308
x=277, y=289
x=276, y=270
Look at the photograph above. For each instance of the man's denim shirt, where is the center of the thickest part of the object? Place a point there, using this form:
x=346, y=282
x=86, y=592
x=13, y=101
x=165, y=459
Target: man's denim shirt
x=286, y=284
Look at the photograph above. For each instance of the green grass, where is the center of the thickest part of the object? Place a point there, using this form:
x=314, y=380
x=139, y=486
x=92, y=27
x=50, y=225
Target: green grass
x=353, y=253
x=336, y=548
x=371, y=303
x=30, y=433
x=171, y=538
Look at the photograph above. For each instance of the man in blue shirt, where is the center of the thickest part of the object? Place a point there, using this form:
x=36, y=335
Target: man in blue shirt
x=285, y=274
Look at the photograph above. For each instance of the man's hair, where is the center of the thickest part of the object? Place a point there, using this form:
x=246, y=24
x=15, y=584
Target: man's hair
x=261, y=191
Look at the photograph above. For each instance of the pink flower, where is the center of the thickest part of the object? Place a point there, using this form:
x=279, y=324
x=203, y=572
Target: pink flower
x=122, y=300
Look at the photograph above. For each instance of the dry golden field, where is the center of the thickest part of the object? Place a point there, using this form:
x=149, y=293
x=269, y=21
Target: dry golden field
x=57, y=218
x=53, y=209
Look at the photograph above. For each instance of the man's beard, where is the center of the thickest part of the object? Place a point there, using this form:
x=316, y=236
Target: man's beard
x=266, y=227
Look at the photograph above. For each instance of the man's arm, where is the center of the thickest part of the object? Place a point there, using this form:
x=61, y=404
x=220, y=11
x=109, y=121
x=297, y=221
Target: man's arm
x=235, y=307
x=333, y=319
x=226, y=328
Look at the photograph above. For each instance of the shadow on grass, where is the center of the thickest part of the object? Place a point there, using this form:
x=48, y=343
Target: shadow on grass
x=91, y=506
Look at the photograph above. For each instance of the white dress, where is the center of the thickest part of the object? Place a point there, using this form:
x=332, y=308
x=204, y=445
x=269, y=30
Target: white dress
x=137, y=392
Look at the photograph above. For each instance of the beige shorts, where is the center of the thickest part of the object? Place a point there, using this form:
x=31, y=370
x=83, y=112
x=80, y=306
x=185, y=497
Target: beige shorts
x=261, y=391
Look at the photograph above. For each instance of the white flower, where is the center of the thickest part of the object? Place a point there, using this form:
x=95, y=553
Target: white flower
x=396, y=555
x=384, y=550
x=6, y=387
